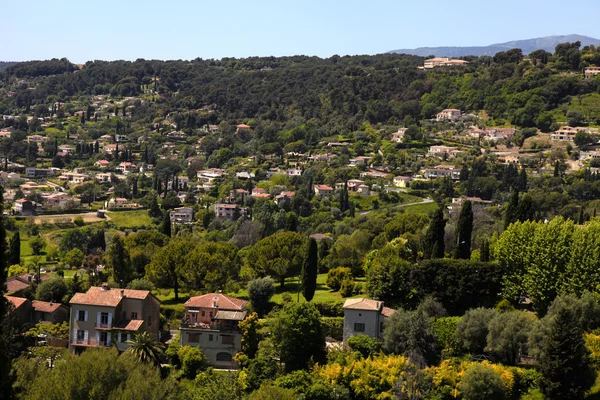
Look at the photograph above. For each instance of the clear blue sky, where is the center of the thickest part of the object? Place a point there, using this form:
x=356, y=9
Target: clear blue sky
x=186, y=29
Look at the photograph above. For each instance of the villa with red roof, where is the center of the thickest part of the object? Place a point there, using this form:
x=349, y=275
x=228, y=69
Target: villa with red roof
x=105, y=316
x=365, y=317
x=211, y=323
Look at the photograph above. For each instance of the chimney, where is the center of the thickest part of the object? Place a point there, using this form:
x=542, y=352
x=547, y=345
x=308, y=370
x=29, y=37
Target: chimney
x=215, y=299
x=105, y=286
x=122, y=293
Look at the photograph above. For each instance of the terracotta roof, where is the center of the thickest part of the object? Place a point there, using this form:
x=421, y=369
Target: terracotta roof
x=386, y=311
x=13, y=285
x=98, y=296
x=363, y=304
x=17, y=301
x=216, y=300
x=129, y=324
x=46, y=307
x=230, y=315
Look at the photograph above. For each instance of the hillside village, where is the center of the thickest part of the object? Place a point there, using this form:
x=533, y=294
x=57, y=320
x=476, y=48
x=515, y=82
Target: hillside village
x=309, y=239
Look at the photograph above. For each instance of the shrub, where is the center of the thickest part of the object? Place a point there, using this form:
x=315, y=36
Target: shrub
x=481, y=381
x=336, y=276
x=365, y=345
x=79, y=221
x=504, y=306
x=192, y=360
x=347, y=288
x=141, y=284
x=260, y=292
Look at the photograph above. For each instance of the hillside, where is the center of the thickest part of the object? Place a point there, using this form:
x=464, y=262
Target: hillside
x=547, y=43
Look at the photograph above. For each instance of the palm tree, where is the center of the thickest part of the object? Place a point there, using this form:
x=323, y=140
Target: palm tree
x=145, y=348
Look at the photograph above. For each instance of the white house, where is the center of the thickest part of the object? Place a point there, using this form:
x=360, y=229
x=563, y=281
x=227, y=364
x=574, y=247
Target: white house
x=364, y=317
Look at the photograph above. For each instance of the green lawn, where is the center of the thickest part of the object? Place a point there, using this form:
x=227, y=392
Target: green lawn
x=129, y=219
x=420, y=208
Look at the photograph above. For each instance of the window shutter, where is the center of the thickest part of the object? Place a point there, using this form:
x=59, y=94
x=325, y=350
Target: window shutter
x=108, y=335
x=97, y=338
x=98, y=318
x=74, y=335
x=86, y=316
x=109, y=319
x=85, y=336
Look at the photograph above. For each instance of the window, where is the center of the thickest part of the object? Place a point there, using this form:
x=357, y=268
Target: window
x=104, y=338
x=149, y=320
x=210, y=338
x=381, y=327
x=104, y=318
x=124, y=314
x=80, y=335
x=210, y=314
x=123, y=337
x=193, y=337
x=226, y=339
x=81, y=315
x=224, y=356
x=359, y=327
x=133, y=315
x=203, y=313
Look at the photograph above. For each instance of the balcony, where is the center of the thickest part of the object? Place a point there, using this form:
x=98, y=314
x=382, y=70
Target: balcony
x=89, y=343
x=103, y=326
x=185, y=324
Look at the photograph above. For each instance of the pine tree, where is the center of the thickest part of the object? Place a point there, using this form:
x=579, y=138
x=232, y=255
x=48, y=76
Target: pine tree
x=464, y=229
x=310, y=270
x=512, y=210
x=434, y=237
x=564, y=361
x=14, y=249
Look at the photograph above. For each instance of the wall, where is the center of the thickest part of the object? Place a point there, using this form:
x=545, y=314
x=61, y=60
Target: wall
x=371, y=320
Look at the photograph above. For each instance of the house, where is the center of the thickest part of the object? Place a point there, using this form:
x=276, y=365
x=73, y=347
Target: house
x=175, y=135
x=441, y=151
x=182, y=215
x=260, y=193
x=398, y=137
x=284, y=196
x=242, y=127
x=244, y=175
x=36, y=139
x=238, y=195
x=211, y=174
x=103, y=178
x=60, y=200
x=374, y=174
x=52, y=312
x=565, y=134
x=181, y=181
x=102, y=313
x=449, y=114
x=442, y=171
x=120, y=202
x=32, y=172
x=73, y=177
x=211, y=323
x=364, y=317
x=323, y=190
x=360, y=160
x=67, y=149
x=22, y=309
x=457, y=202
x=229, y=211
x=120, y=138
x=353, y=184
x=102, y=164
x=126, y=167
x=591, y=72
x=294, y=172
x=24, y=207
x=16, y=285
x=443, y=62
x=402, y=181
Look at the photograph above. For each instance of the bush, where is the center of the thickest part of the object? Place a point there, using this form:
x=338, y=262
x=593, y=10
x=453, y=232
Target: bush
x=330, y=309
x=37, y=245
x=51, y=290
x=481, y=381
x=193, y=361
x=336, y=276
x=333, y=327
x=79, y=221
x=504, y=306
x=347, y=288
x=141, y=284
x=365, y=345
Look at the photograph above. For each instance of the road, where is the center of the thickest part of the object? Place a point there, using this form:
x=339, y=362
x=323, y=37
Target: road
x=425, y=201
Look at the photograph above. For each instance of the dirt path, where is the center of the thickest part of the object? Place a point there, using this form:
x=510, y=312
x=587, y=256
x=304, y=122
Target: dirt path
x=425, y=201
x=87, y=217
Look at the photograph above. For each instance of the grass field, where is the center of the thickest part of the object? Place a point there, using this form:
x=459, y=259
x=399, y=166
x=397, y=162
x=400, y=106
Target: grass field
x=420, y=208
x=129, y=219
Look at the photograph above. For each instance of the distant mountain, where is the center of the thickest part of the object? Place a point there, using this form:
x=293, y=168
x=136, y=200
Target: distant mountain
x=547, y=43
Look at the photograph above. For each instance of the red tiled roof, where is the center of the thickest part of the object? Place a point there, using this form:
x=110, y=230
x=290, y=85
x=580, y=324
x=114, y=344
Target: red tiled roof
x=44, y=306
x=129, y=324
x=17, y=301
x=14, y=285
x=363, y=304
x=98, y=296
x=386, y=311
x=220, y=300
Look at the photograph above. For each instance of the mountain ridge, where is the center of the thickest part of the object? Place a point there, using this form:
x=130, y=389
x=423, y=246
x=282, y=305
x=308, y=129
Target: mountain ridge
x=547, y=43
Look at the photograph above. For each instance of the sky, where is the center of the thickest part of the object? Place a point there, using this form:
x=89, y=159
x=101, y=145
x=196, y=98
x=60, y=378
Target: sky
x=188, y=29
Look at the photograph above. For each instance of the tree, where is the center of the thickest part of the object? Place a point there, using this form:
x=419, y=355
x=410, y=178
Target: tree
x=74, y=258
x=278, y=255
x=508, y=334
x=434, y=237
x=154, y=209
x=365, y=345
x=472, y=330
x=37, y=244
x=118, y=261
x=511, y=213
x=481, y=381
x=145, y=348
x=14, y=249
x=260, y=291
x=167, y=267
x=464, y=229
x=193, y=361
x=211, y=265
x=410, y=333
x=564, y=362
x=298, y=335
x=165, y=225
x=310, y=270
x=53, y=289
x=388, y=271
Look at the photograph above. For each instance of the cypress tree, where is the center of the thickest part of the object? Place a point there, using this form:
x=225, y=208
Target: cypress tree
x=556, y=169
x=310, y=270
x=522, y=180
x=484, y=251
x=464, y=229
x=154, y=211
x=14, y=250
x=564, y=360
x=434, y=237
x=512, y=210
x=526, y=209
x=96, y=147
x=581, y=216
x=165, y=226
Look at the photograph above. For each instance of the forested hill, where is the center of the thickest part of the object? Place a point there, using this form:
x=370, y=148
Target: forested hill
x=326, y=96
x=6, y=64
